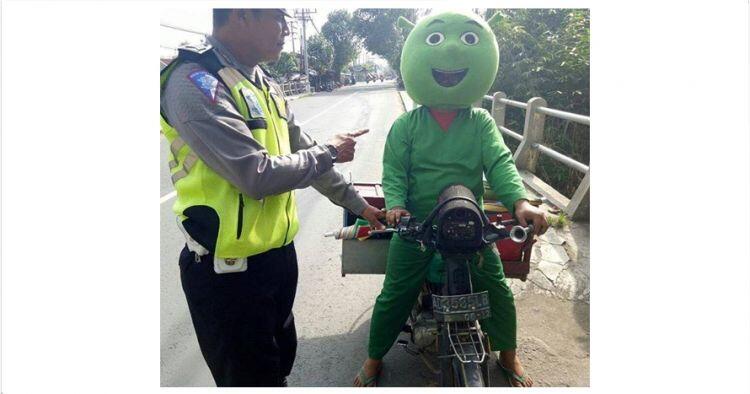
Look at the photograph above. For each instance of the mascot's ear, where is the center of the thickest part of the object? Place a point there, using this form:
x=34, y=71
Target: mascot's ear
x=405, y=25
x=495, y=19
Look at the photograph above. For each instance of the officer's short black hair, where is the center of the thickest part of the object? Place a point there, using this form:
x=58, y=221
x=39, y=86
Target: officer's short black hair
x=221, y=15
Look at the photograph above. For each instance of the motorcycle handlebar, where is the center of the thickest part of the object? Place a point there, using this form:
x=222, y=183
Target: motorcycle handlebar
x=519, y=234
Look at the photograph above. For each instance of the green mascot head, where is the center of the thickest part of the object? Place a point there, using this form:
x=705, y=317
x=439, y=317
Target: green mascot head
x=449, y=59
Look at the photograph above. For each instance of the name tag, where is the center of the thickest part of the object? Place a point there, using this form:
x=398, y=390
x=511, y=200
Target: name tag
x=279, y=103
x=253, y=105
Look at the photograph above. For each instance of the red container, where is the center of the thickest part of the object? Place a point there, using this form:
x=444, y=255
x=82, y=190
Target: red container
x=515, y=257
x=372, y=192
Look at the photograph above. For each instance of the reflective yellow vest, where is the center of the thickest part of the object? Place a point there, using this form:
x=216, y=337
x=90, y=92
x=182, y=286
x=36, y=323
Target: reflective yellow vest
x=246, y=226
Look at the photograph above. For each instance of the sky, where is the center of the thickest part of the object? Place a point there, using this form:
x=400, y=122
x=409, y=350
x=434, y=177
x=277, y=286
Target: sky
x=199, y=19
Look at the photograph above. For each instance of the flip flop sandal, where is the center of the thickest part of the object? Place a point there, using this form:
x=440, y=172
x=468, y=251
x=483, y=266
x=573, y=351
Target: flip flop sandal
x=371, y=381
x=512, y=377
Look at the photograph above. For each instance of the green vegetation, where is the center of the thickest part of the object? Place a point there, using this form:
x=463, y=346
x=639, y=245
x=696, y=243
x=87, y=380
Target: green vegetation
x=558, y=221
x=287, y=64
x=545, y=53
x=319, y=54
x=380, y=34
x=339, y=32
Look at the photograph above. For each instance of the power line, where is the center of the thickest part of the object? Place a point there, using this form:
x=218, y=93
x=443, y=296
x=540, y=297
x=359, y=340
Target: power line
x=183, y=29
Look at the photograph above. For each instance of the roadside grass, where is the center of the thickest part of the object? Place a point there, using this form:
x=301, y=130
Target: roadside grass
x=558, y=221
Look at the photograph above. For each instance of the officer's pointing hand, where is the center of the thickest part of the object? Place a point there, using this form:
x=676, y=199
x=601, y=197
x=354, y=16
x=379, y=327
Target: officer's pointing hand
x=344, y=144
x=355, y=134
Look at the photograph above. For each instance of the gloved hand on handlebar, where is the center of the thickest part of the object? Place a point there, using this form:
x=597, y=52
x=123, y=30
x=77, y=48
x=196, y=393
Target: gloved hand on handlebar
x=525, y=213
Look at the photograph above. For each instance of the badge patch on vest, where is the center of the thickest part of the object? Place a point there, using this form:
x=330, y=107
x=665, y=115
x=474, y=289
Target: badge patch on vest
x=253, y=106
x=280, y=108
x=206, y=83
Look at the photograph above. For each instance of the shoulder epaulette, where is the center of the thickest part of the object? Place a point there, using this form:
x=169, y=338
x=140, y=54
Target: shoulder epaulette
x=203, y=55
x=199, y=49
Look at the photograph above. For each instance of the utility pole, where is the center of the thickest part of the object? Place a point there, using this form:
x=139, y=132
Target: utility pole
x=293, y=32
x=304, y=41
x=304, y=15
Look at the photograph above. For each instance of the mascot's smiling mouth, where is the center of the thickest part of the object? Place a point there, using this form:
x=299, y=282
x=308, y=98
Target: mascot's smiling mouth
x=447, y=79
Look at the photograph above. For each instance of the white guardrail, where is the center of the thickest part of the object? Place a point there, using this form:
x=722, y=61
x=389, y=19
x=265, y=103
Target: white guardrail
x=295, y=88
x=532, y=144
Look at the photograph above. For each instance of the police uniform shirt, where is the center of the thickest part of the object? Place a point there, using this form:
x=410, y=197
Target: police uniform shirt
x=206, y=119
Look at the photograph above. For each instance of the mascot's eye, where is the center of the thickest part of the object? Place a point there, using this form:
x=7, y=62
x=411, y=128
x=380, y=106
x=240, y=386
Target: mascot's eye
x=470, y=38
x=435, y=38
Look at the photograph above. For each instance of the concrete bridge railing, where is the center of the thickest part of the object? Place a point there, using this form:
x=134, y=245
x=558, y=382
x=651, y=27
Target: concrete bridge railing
x=295, y=87
x=532, y=145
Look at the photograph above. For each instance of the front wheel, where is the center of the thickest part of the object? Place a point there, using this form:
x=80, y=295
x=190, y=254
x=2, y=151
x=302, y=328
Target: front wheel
x=468, y=375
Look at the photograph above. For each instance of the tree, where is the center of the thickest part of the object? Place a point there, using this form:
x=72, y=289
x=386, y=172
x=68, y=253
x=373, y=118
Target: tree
x=380, y=33
x=545, y=53
x=319, y=54
x=286, y=65
x=338, y=31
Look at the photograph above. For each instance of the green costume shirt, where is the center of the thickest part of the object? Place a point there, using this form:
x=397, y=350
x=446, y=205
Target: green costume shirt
x=420, y=160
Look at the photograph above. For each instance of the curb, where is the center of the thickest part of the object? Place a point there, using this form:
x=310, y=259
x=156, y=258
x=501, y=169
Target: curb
x=292, y=98
x=406, y=101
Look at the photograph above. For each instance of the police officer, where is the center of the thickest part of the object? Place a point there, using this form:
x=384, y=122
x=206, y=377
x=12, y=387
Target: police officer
x=236, y=155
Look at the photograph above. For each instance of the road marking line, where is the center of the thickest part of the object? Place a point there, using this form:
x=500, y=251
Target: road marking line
x=167, y=197
x=327, y=109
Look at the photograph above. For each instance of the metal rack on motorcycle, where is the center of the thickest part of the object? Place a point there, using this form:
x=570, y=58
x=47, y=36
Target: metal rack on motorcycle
x=466, y=340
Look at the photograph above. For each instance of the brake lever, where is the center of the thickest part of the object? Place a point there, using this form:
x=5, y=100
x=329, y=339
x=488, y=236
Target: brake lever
x=496, y=233
x=384, y=231
x=401, y=228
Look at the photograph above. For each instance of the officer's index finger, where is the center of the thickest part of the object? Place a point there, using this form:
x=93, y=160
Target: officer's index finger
x=355, y=134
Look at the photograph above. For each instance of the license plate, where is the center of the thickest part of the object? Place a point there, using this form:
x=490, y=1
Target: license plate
x=465, y=307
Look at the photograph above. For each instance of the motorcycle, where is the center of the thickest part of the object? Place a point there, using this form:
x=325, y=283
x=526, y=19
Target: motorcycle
x=444, y=320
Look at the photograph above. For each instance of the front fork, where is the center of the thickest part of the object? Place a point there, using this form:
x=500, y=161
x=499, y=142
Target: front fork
x=457, y=275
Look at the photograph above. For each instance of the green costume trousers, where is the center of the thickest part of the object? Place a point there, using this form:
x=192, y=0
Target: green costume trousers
x=405, y=273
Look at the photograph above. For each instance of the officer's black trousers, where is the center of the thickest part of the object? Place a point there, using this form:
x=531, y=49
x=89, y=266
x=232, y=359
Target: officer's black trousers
x=244, y=320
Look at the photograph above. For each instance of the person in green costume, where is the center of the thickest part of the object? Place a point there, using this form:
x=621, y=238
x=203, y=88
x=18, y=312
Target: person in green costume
x=449, y=61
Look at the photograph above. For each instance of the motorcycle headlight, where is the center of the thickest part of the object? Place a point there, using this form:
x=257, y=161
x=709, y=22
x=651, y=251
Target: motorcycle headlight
x=459, y=221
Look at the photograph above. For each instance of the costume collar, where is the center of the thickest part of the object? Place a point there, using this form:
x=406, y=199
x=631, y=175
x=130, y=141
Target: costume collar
x=444, y=117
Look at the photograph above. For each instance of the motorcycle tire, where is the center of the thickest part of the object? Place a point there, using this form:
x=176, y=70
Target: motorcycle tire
x=468, y=375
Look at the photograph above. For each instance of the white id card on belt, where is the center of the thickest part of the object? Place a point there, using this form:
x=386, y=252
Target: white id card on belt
x=226, y=266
